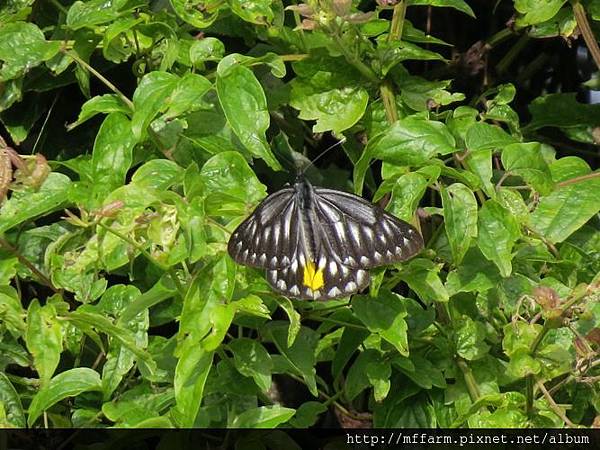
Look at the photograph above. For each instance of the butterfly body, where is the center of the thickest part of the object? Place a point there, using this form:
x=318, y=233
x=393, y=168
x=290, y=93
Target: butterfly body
x=318, y=243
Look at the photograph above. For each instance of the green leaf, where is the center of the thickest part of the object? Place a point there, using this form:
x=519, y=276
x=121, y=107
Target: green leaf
x=26, y=205
x=149, y=99
x=422, y=276
x=470, y=335
x=460, y=219
x=193, y=367
x=294, y=318
x=421, y=94
x=357, y=379
x=252, y=360
x=460, y=5
x=483, y=136
x=198, y=13
x=527, y=161
x=11, y=403
x=44, y=339
x=12, y=314
x=206, y=316
x=378, y=374
x=334, y=110
x=95, y=12
x=244, y=103
x=513, y=202
x=135, y=407
x=301, y=355
x=498, y=232
x=187, y=96
x=523, y=364
x=384, y=315
x=566, y=209
x=563, y=111
x=207, y=49
x=101, y=323
x=259, y=12
x=230, y=185
x=476, y=273
x=480, y=163
x=406, y=194
x=112, y=156
x=70, y=383
x=349, y=343
x=22, y=47
x=329, y=91
x=536, y=11
x=410, y=141
x=307, y=414
x=120, y=360
x=263, y=417
x=106, y=104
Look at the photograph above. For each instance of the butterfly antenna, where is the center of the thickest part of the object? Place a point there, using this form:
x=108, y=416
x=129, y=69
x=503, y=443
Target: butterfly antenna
x=320, y=155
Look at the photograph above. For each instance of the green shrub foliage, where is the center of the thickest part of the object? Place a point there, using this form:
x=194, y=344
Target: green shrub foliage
x=137, y=134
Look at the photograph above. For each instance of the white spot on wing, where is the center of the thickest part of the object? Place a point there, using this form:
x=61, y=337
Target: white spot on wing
x=281, y=285
x=355, y=233
x=364, y=260
x=276, y=231
x=368, y=232
x=333, y=268
x=273, y=261
x=361, y=277
x=333, y=292
x=350, y=286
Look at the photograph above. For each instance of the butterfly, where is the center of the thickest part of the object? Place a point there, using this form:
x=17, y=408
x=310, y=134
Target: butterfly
x=318, y=243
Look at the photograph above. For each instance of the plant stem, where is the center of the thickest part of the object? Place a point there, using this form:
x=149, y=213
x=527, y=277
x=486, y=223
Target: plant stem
x=589, y=176
x=75, y=57
x=557, y=409
x=352, y=59
x=386, y=89
x=586, y=31
x=470, y=381
x=389, y=101
x=514, y=51
x=40, y=276
x=499, y=37
x=397, y=22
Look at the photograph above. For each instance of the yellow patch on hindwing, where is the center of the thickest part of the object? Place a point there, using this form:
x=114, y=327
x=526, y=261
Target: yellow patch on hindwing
x=313, y=277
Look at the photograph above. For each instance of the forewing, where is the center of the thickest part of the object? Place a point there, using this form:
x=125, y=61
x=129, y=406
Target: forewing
x=269, y=236
x=361, y=234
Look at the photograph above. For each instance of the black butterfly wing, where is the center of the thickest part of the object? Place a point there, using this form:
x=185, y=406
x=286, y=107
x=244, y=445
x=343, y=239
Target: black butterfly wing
x=321, y=252
x=362, y=234
x=338, y=280
x=269, y=236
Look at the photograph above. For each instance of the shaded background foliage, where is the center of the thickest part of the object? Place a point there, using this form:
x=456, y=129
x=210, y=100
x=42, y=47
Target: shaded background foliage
x=137, y=135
